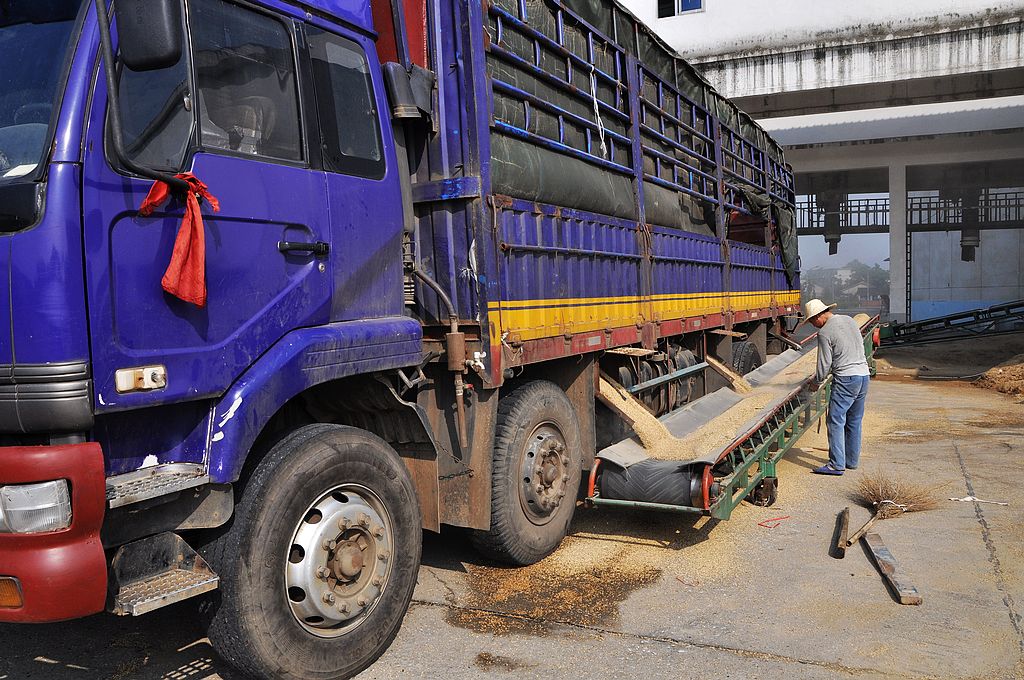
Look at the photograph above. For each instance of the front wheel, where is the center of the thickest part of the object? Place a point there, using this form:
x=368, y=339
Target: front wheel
x=318, y=567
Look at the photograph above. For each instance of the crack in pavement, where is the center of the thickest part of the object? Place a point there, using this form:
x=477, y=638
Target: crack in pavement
x=737, y=651
x=997, y=569
x=450, y=594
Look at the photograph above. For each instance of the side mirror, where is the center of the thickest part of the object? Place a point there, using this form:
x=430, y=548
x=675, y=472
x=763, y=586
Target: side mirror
x=149, y=33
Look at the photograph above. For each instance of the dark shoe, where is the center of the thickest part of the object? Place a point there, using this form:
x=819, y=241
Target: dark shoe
x=827, y=469
x=851, y=467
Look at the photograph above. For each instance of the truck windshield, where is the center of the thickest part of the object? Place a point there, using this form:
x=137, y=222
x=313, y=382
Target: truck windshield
x=34, y=40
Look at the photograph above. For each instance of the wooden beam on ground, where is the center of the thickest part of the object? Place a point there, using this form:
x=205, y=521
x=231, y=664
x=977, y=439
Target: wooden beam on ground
x=887, y=564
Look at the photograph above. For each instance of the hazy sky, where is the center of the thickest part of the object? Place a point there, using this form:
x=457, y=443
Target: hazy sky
x=868, y=248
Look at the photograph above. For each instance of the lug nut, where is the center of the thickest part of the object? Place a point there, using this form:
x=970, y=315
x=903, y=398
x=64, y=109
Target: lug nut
x=329, y=544
x=329, y=598
x=383, y=556
x=361, y=602
x=378, y=532
x=377, y=581
x=321, y=573
x=343, y=607
x=364, y=519
x=344, y=523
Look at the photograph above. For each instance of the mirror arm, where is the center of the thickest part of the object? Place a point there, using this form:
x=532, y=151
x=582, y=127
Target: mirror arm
x=178, y=186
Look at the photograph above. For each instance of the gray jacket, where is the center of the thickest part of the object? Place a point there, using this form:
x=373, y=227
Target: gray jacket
x=841, y=348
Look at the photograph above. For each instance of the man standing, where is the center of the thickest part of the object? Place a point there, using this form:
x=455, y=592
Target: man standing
x=841, y=354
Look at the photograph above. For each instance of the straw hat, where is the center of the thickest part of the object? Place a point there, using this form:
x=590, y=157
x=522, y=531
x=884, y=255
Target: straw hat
x=813, y=308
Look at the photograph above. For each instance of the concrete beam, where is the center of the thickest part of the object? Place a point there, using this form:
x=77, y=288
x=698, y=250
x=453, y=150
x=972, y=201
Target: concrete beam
x=954, y=88
x=927, y=151
x=813, y=67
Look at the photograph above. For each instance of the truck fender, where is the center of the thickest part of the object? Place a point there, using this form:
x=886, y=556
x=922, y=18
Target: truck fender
x=303, y=358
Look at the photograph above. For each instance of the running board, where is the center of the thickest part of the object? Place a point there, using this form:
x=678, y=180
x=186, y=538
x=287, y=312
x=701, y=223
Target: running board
x=151, y=482
x=157, y=571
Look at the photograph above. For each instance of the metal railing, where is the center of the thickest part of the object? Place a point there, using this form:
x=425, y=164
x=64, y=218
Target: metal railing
x=855, y=216
x=994, y=210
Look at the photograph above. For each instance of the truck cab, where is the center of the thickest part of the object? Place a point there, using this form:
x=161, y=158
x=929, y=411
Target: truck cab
x=116, y=395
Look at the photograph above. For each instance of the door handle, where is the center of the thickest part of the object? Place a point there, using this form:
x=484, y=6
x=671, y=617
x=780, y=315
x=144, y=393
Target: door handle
x=318, y=249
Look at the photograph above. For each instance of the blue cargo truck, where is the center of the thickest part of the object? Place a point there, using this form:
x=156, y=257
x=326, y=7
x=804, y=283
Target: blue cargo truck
x=384, y=252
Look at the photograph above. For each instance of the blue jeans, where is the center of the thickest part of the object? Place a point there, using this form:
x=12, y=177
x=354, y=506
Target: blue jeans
x=845, y=413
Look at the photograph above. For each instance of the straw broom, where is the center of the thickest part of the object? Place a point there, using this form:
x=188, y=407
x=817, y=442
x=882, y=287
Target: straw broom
x=888, y=497
x=891, y=496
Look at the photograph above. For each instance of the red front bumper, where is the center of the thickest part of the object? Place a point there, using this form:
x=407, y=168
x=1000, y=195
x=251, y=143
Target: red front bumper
x=63, y=574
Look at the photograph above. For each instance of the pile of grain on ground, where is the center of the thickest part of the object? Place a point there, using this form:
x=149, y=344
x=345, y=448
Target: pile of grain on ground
x=607, y=556
x=1007, y=377
x=959, y=358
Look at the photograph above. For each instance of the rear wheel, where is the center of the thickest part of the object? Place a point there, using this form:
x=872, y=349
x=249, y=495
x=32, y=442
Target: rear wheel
x=535, y=476
x=745, y=357
x=319, y=564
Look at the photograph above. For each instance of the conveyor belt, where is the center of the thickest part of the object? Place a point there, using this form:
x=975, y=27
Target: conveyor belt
x=691, y=417
x=717, y=481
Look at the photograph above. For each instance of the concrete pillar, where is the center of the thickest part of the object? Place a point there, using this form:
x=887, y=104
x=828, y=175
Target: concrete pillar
x=898, y=266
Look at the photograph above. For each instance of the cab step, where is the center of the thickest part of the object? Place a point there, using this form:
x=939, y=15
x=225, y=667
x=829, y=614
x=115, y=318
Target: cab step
x=157, y=571
x=151, y=482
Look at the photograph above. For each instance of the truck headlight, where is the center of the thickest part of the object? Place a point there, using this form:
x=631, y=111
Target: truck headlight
x=35, y=508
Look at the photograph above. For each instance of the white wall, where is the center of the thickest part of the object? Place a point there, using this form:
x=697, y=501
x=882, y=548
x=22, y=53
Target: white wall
x=731, y=26
x=943, y=284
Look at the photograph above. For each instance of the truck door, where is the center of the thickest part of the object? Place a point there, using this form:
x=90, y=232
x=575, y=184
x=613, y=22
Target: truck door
x=362, y=176
x=230, y=113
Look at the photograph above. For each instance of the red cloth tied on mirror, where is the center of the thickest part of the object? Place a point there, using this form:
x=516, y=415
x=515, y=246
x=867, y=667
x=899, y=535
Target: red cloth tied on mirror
x=185, y=277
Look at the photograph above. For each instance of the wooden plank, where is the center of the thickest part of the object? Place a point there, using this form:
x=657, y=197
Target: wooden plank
x=633, y=411
x=843, y=529
x=887, y=564
x=737, y=380
x=731, y=334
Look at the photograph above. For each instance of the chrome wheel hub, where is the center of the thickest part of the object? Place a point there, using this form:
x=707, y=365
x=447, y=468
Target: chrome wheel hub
x=544, y=474
x=339, y=560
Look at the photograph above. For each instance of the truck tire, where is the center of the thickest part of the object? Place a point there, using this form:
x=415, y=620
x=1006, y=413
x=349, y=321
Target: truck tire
x=319, y=564
x=535, y=475
x=745, y=357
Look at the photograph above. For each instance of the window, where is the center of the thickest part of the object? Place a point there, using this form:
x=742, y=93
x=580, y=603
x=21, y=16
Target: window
x=348, y=111
x=156, y=115
x=245, y=78
x=671, y=8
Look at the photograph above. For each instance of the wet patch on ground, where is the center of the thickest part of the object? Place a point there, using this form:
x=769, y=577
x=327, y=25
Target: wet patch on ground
x=489, y=662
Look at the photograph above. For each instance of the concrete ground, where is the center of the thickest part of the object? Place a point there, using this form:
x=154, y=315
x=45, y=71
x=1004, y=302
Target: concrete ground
x=666, y=596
